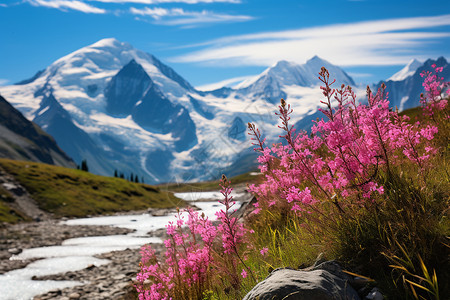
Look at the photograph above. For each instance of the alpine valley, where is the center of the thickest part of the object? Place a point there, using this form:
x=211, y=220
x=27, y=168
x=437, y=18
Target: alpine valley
x=122, y=109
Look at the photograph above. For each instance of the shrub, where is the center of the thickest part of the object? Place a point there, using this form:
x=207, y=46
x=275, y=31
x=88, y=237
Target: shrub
x=366, y=182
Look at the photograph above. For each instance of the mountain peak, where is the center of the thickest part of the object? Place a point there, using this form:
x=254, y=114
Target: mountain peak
x=107, y=43
x=126, y=88
x=283, y=64
x=285, y=73
x=280, y=67
x=407, y=71
x=133, y=63
x=316, y=61
x=314, y=58
x=440, y=61
x=110, y=45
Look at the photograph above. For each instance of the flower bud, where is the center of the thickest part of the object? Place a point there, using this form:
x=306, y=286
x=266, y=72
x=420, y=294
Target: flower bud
x=224, y=178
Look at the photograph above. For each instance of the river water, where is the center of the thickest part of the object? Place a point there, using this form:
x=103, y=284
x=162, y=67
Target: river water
x=77, y=254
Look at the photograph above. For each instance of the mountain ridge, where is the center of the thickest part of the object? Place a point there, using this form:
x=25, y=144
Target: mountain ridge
x=405, y=93
x=24, y=140
x=122, y=108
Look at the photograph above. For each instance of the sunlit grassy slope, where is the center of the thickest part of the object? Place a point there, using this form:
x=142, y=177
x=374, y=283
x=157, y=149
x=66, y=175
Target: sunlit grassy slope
x=8, y=214
x=213, y=185
x=75, y=193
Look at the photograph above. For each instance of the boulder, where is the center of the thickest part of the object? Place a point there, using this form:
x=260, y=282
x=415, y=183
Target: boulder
x=289, y=284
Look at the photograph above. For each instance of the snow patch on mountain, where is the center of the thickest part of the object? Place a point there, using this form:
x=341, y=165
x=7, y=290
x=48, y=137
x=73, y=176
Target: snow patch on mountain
x=270, y=85
x=407, y=71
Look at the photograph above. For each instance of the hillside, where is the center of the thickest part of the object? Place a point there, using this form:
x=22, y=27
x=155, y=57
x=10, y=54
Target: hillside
x=21, y=139
x=64, y=192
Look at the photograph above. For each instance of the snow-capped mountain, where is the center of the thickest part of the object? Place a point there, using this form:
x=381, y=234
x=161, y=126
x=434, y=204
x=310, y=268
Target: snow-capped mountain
x=407, y=71
x=272, y=82
x=405, y=87
x=121, y=108
x=110, y=104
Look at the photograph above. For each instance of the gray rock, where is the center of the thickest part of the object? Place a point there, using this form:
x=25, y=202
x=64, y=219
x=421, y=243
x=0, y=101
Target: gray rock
x=158, y=212
x=14, y=251
x=333, y=267
x=13, y=188
x=374, y=294
x=288, y=284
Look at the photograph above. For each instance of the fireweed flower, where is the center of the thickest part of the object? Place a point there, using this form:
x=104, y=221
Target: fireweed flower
x=263, y=251
x=340, y=158
x=346, y=149
x=191, y=254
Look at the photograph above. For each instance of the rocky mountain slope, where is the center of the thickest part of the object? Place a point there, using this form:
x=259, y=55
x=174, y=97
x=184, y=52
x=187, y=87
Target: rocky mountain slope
x=405, y=87
x=24, y=140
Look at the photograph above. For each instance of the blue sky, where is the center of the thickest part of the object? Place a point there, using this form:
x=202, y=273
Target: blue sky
x=209, y=41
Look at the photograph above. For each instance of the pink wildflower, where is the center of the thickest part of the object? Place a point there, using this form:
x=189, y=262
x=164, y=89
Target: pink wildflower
x=263, y=251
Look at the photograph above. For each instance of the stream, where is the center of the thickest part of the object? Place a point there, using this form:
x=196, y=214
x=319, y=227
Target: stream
x=78, y=253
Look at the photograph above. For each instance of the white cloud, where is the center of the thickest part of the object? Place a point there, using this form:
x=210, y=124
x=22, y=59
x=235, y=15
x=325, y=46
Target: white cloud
x=168, y=1
x=359, y=75
x=227, y=82
x=68, y=4
x=381, y=42
x=3, y=81
x=178, y=16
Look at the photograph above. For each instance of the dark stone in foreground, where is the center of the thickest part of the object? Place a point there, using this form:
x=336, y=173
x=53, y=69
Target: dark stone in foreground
x=288, y=284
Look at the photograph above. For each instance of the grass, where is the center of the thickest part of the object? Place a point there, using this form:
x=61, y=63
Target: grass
x=68, y=192
x=208, y=185
x=288, y=244
x=9, y=214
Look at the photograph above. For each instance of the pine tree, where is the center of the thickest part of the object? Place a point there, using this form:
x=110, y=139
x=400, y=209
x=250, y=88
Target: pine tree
x=84, y=166
x=115, y=173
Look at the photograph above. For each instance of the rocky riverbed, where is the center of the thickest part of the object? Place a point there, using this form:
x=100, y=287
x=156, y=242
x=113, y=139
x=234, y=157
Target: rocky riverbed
x=15, y=238
x=109, y=275
x=110, y=281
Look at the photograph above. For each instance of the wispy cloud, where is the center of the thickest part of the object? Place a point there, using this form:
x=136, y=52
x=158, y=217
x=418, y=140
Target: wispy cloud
x=227, y=82
x=65, y=5
x=178, y=16
x=168, y=1
x=3, y=81
x=381, y=42
x=359, y=75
